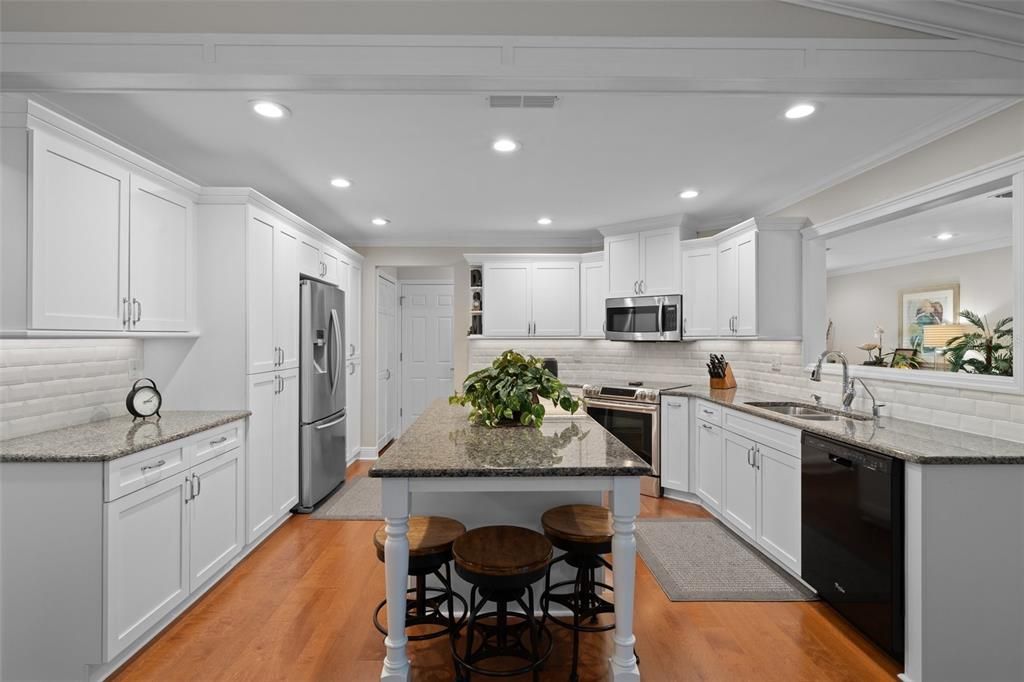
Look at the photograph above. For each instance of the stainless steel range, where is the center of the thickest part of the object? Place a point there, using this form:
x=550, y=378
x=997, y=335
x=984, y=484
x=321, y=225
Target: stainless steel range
x=631, y=413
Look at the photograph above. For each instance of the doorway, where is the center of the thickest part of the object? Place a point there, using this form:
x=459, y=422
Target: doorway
x=426, y=358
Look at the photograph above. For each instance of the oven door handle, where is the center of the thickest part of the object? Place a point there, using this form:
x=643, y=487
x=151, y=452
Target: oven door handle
x=641, y=408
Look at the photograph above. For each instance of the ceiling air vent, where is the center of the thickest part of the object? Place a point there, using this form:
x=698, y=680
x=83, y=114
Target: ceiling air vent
x=522, y=101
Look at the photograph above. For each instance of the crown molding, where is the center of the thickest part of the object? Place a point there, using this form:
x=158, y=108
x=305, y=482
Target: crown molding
x=938, y=254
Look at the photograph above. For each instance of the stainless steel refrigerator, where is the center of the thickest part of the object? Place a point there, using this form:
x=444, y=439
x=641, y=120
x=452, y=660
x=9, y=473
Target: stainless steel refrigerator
x=322, y=423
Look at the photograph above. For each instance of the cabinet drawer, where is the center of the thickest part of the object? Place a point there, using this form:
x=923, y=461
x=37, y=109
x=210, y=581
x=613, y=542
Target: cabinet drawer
x=212, y=443
x=779, y=436
x=136, y=471
x=709, y=412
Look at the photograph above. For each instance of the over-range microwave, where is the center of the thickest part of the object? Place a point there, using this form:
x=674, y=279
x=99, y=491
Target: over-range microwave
x=644, y=318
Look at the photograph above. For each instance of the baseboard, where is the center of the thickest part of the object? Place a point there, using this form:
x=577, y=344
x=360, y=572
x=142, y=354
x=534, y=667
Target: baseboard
x=367, y=453
x=680, y=496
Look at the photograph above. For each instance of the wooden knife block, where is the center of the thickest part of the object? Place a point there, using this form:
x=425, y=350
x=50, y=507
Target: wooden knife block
x=728, y=381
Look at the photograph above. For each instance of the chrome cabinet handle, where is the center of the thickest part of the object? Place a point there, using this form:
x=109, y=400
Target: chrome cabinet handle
x=388, y=377
x=636, y=287
x=188, y=493
x=351, y=368
x=352, y=350
x=219, y=440
x=126, y=316
x=706, y=410
x=643, y=287
x=150, y=467
x=199, y=485
x=757, y=461
x=750, y=456
x=281, y=379
x=137, y=309
x=706, y=426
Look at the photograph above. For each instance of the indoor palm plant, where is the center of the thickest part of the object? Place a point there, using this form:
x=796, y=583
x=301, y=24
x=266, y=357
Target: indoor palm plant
x=984, y=350
x=509, y=392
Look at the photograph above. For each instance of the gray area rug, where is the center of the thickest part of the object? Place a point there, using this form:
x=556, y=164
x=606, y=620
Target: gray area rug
x=702, y=560
x=357, y=499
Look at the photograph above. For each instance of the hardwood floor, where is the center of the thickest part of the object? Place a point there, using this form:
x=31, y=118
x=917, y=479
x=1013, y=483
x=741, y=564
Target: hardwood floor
x=299, y=608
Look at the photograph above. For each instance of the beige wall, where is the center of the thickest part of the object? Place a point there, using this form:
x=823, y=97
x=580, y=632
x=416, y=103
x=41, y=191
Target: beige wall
x=990, y=139
x=859, y=302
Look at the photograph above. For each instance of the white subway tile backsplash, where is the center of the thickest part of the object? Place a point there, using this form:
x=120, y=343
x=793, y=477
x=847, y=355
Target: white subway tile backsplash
x=52, y=383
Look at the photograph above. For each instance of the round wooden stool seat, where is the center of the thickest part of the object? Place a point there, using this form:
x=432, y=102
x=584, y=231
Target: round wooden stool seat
x=502, y=551
x=428, y=535
x=578, y=525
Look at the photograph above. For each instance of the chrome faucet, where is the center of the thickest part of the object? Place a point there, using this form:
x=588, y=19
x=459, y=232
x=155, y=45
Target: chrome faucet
x=848, y=392
x=876, y=407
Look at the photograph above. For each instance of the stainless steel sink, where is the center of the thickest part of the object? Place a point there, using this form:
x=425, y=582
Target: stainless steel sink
x=807, y=411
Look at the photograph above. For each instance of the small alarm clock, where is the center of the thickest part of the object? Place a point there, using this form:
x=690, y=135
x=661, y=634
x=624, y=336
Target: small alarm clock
x=143, y=401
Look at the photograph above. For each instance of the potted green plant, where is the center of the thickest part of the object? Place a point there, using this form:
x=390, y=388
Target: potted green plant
x=509, y=392
x=989, y=350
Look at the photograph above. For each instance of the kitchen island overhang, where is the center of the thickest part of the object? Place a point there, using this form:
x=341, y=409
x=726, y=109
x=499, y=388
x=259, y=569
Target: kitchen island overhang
x=444, y=463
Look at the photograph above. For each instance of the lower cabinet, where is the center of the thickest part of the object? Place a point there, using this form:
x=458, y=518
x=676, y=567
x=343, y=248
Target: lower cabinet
x=353, y=392
x=675, y=446
x=709, y=464
x=272, y=479
x=739, y=478
x=778, y=508
x=165, y=540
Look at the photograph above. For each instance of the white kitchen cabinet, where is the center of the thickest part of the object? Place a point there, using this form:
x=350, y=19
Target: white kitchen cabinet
x=524, y=298
x=286, y=297
x=273, y=295
x=709, y=464
x=353, y=406
x=310, y=262
x=147, y=560
x=778, y=528
x=643, y=263
x=286, y=443
x=353, y=275
x=330, y=263
x=259, y=497
x=78, y=256
x=739, y=483
x=675, y=443
x=507, y=306
x=700, y=291
x=728, y=292
x=746, y=285
x=216, y=514
x=593, y=293
x=160, y=264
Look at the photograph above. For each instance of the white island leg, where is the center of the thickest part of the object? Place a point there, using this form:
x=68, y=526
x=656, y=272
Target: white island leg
x=625, y=506
x=395, y=504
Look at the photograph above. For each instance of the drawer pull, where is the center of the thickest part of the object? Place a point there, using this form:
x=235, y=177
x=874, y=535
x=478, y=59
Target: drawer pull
x=218, y=441
x=706, y=426
x=707, y=411
x=149, y=467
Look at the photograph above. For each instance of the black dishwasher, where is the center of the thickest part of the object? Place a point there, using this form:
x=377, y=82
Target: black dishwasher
x=852, y=537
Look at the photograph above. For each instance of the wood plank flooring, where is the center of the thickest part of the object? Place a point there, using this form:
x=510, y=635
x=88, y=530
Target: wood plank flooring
x=299, y=608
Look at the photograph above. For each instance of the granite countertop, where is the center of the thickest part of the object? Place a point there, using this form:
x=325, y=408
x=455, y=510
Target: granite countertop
x=906, y=440
x=111, y=438
x=443, y=443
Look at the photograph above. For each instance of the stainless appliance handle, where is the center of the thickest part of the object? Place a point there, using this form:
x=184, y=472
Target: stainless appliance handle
x=331, y=423
x=335, y=350
x=661, y=313
x=648, y=408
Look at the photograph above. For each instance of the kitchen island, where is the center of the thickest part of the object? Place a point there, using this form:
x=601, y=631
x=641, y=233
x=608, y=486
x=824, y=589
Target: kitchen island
x=445, y=464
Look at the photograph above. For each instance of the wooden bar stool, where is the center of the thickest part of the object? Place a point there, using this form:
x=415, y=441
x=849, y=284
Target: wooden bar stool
x=430, y=551
x=584, y=533
x=501, y=563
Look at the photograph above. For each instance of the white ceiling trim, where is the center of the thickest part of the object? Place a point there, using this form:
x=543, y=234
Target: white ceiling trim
x=516, y=239
x=124, y=62
x=935, y=254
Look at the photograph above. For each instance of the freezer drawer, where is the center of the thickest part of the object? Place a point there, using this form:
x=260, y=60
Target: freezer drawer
x=321, y=459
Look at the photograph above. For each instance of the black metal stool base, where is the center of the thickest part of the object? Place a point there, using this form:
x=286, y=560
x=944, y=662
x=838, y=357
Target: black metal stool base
x=426, y=607
x=502, y=639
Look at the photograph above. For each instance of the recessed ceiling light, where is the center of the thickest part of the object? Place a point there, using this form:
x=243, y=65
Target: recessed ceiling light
x=380, y=222
x=943, y=236
x=802, y=110
x=341, y=183
x=544, y=221
x=268, y=109
x=505, y=145
x=689, y=194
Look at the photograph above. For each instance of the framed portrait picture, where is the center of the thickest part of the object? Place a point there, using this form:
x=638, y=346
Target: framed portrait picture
x=922, y=307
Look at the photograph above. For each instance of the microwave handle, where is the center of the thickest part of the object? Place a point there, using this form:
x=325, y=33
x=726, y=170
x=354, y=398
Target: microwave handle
x=661, y=313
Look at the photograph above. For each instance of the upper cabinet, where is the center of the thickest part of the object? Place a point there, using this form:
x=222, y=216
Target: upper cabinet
x=272, y=293
x=538, y=297
x=593, y=292
x=352, y=274
x=642, y=263
x=700, y=290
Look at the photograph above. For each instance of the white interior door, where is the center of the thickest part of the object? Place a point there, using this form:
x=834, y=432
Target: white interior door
x=426, y=356
x=387, y=359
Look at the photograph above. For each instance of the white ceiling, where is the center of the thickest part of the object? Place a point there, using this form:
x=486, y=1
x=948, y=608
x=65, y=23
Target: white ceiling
x=978, y=223
x=424, y=160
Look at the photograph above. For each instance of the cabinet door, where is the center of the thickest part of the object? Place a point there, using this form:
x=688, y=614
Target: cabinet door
x=727, y=288
x=217, y=515
x=286, y=297
x=79, y=238
x=709, y=464
x=160, y=264
x=779, y=530
x=262, y=347
x=659, y=262
x=507, y=299
x=593, y=288
x=308, y=257
x=353, y=405
x=622, y=265
x=353, y=311
x=286, y=443
x=330, y=261
x=739, y=489
x=147, y=560
x=700, y=292
x=746, y=285
x=555, y=290
x=675, y=446
x=259, y=471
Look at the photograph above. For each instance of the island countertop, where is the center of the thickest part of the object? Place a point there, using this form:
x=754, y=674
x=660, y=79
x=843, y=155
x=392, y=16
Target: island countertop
x=443, y=443
x=110, y=439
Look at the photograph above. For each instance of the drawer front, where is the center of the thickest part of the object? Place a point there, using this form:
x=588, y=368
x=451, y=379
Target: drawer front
x=709, y=412
x=779, y=436
x=209, y=444
x=136, y=471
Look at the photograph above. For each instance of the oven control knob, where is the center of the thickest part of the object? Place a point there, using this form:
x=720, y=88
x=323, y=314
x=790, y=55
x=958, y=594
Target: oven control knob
x=645, y=395
x=589, y=391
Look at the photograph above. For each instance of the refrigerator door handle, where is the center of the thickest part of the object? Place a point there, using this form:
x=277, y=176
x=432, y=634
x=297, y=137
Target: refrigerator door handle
x=331, y=423
x=335, y=349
